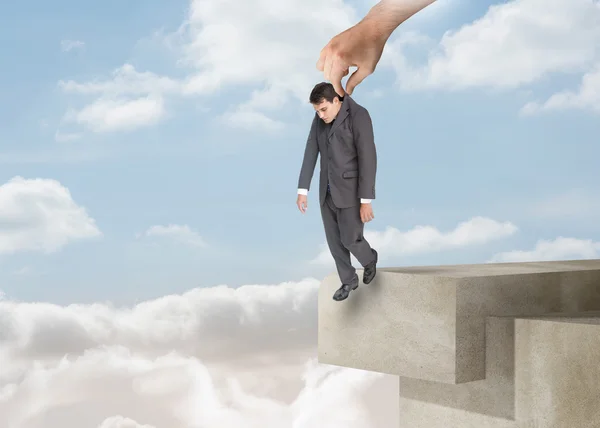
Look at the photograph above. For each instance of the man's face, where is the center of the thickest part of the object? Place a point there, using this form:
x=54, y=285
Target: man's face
x=327, y=111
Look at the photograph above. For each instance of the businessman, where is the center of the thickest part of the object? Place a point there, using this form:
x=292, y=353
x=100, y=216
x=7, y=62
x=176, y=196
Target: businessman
x=342, y=133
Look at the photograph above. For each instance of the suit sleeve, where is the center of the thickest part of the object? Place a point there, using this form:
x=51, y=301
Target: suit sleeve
x=367, y=154
x=311, y=153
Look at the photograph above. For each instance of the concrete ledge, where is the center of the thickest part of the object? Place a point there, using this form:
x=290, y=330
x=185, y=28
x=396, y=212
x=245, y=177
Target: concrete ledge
x=429, y=323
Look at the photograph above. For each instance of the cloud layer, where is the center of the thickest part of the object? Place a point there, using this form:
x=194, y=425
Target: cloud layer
x=211, y=358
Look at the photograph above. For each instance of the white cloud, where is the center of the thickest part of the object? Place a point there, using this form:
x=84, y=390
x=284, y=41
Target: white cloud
x=423, y=239
x=587, y=97
x=125, y=80
x=40, y=215
x=68, y=45
x=514, y=43
x=224, y=318
x=107, y=115
x=559, y=249
x=182, y=234
x=128, y=100
x=226, y=44
x=259, y=43
x=212, y=358
x=249, y=119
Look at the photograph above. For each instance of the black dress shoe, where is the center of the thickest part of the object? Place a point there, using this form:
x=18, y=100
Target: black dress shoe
x=343, y=292
x=370, y=270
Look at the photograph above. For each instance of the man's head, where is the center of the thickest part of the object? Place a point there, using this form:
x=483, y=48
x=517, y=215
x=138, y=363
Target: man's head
x=325, y=101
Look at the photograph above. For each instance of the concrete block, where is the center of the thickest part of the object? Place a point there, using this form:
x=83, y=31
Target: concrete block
x=429, y=323
x=540, y=373
x=557, y=376
x=473, y=403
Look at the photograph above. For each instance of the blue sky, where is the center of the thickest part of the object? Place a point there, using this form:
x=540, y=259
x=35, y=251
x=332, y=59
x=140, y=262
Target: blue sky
x=452, y=146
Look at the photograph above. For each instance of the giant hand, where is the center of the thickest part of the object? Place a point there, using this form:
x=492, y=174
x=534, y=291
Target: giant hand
x=361, y=45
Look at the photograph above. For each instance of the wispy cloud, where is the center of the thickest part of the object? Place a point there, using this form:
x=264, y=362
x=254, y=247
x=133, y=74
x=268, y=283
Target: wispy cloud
x=108, y=115
x=561, y=248
x=586, y=97
x=69, y=45
x=181, y=234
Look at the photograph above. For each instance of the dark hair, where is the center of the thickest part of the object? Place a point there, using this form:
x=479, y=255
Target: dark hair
x=322, y=91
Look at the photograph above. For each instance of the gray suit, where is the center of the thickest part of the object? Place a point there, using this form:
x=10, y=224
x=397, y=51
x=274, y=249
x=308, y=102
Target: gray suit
x=349, y=166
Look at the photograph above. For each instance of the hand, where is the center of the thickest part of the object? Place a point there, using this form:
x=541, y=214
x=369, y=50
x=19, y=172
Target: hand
x=366, y=213
x=360, y=46
x=302, y=203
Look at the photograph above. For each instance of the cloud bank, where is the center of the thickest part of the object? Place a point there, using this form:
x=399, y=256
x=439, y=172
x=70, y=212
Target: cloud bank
x=210, y=358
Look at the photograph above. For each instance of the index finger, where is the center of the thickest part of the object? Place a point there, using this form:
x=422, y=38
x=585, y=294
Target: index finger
x=321, y=61
x=336, y=75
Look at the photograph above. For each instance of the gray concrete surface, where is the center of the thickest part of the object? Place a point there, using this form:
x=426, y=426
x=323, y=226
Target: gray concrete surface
x=514, y=345
x=428, y=323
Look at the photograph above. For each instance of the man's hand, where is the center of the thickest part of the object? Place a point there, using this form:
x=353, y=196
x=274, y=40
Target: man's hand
x=360, y=46
x=366, y=213
x=302, y=203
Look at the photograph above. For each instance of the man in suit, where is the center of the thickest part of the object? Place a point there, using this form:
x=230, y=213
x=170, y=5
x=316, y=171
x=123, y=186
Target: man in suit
x=342, y=132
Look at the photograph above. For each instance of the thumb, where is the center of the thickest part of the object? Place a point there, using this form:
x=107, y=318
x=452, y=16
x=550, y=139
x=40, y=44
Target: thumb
x=355, y=79
x=337, y=85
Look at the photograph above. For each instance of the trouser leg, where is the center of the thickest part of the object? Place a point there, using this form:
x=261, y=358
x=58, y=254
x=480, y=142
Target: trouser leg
x=341, y=254
x=351, y=234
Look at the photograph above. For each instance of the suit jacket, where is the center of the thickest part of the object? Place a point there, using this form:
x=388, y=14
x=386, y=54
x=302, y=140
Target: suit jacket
x=348, y=156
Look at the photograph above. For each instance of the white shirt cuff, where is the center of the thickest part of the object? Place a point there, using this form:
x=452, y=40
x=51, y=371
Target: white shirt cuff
x=365, y=201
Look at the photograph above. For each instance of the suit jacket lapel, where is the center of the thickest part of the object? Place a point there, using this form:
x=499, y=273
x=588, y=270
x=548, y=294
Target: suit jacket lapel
x=343, y=113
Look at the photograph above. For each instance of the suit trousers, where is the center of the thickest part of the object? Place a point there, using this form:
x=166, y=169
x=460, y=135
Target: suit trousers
x=344, y=233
